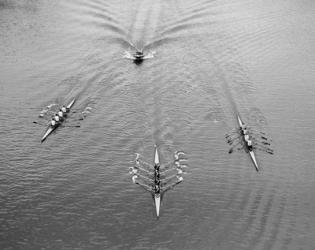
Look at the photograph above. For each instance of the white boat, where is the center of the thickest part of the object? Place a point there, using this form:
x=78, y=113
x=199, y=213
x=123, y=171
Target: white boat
x=157, y=195
x=251, y=152
x=52, y=128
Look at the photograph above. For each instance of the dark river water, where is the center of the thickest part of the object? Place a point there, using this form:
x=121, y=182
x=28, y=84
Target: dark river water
x=213, y=60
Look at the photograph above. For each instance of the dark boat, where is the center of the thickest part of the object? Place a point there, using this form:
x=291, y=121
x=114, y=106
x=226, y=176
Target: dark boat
x=138, y=57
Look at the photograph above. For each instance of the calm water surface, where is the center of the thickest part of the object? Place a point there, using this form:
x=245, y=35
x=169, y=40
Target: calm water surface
x=213, y=59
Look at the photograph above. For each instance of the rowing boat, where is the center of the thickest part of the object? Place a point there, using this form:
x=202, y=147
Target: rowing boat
x=157, y=195
x=52, y=128
x=251, y=152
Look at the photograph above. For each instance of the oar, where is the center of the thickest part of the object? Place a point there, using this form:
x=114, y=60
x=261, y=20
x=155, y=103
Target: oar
x=144, y=163
x=232, y=134
x=230, y=141
x=255, y=130
x=39, y=123
x=265, y=143
x=265, y=149
x=260, y=136
x=231, y=149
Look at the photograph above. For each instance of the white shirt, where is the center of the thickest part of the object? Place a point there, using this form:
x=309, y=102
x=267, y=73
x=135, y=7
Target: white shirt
x=60, y=114
x=57, y=118
x=246, y=137
x=180, y=178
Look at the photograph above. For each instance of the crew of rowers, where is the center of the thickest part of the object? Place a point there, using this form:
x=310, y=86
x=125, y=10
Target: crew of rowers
x=156, y=185
x=157, y=178
x=59, y=116
x=246, y=137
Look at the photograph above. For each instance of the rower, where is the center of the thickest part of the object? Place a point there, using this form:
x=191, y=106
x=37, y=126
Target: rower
x=246, y=137
x=179, y=178
x=60, y=113
x=54, y=121
x=139, y=54
x=133, y=170
x=179, y=171
x=156, y=167
x=56, y=118
x=64, y=109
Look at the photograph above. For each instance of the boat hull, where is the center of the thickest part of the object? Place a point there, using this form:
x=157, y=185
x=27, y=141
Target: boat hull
x=252, y=156
x=48, y=132
x=157, y=201
x=157, y=196
x=251, y=152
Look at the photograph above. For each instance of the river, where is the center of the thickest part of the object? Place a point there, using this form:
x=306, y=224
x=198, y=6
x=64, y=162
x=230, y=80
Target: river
x=213, y=60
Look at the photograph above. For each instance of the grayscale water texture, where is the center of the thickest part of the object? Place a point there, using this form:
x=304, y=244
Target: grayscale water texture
x=213, y=59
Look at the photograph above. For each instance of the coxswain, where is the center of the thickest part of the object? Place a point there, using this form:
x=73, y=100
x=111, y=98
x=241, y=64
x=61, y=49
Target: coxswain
x=134, y=179
x=249, y=145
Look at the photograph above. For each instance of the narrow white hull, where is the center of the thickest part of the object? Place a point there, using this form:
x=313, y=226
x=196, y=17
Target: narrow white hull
x=156, y=156
x=71, y=103
x=157, y=196
x=251, y=153
x=157, y=200
x=48, y=132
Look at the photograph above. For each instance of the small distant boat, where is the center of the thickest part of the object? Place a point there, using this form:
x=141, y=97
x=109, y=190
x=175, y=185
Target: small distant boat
x=51, y=128
x=250, y=151
x=139, y=56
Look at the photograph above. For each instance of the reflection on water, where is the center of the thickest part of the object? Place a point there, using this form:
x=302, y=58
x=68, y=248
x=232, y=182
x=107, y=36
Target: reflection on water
x=213, y=60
